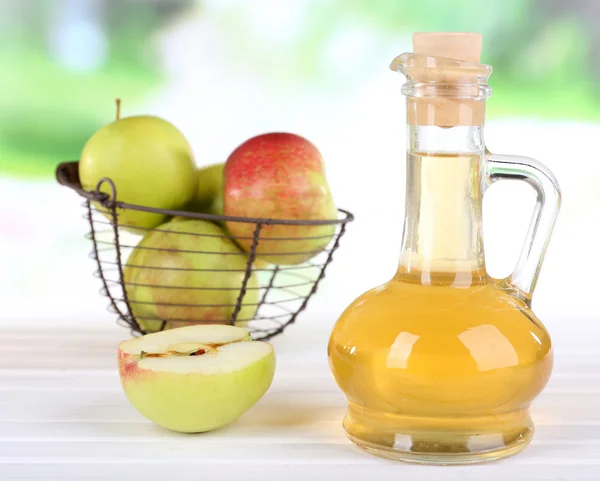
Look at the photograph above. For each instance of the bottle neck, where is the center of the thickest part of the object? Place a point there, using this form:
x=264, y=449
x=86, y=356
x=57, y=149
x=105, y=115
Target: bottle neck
x=442, y=240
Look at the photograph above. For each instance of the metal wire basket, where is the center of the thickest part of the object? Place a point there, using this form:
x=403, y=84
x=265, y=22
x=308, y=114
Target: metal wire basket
x=283, y=290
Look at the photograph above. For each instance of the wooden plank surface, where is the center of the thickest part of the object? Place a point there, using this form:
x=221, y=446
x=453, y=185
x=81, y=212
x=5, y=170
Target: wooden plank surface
x=63, y=416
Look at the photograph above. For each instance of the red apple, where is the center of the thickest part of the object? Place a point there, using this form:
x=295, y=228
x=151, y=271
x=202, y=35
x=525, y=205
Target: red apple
x=279, y=176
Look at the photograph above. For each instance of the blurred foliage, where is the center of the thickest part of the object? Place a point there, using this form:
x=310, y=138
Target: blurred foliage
x=542, y=57
x=542, y=53
x=48, y=111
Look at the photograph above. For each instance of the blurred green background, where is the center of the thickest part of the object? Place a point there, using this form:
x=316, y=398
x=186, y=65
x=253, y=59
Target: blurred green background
x=225, y=70
x=64, y=61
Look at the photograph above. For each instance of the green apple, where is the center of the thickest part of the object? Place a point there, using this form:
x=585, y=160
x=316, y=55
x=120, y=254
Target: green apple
x=197, y=378
x=150, y=163
x=209, y=196
x=187, y=272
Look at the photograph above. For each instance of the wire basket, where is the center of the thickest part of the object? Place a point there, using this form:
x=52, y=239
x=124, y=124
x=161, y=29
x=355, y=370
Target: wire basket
x=282, y=291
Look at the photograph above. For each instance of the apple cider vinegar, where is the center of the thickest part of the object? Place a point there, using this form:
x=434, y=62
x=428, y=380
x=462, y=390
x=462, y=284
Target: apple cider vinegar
x=441, y=364
x=441, y=359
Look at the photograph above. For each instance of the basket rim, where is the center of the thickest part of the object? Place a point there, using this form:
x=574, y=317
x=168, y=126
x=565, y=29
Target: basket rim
x=67, y=174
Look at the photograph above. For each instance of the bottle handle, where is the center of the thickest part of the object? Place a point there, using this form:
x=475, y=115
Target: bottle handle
x=547, y=205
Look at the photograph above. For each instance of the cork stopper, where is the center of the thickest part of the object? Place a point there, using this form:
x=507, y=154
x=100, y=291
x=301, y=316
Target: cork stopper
x=447, y=82
x=459, y=46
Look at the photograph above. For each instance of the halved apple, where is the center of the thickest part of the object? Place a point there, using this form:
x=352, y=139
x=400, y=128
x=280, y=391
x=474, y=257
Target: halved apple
x=196, y=378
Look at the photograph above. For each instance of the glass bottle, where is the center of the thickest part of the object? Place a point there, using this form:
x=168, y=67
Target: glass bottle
x=441, y=363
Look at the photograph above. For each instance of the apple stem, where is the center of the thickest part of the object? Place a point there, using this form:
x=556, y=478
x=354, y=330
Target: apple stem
x=118, y=102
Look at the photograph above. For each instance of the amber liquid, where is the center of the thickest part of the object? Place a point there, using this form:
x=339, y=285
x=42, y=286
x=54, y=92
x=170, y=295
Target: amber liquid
x=441, y=363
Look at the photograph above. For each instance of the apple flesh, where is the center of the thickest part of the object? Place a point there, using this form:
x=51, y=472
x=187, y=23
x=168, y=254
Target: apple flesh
x=187, y=272
x=279, y=176
x=150, y=163
x=197, y=378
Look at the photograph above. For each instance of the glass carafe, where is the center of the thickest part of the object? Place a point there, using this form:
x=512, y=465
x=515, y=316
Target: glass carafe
x=441, y=363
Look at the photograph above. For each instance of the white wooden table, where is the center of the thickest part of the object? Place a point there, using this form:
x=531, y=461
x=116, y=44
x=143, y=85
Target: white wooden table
x=63, y=417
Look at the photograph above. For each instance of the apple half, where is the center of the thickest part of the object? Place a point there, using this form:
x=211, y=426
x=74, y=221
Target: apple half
x=196, y=378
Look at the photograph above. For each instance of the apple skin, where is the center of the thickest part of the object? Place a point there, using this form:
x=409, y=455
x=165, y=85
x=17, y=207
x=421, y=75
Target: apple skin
x=194, y=402
x=155, y=302
x=279, y=176
x=209, y=196
x=150, y=163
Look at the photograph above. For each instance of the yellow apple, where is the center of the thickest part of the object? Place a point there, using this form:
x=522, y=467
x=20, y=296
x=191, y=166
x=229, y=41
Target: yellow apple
x=188, y=272
x=197, y=378
x=209, y=195
x=150, y=163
